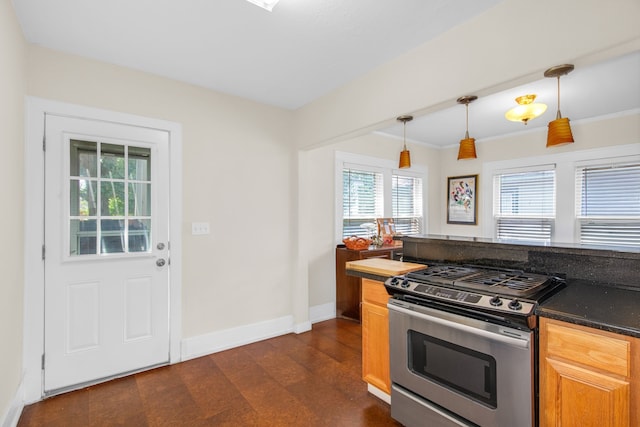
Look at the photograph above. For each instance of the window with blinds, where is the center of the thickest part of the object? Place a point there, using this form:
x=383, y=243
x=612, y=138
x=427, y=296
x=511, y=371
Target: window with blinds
x=524, y=205
x=362, y=200
x=406, y=199
x=608, y=204
x=380, y=193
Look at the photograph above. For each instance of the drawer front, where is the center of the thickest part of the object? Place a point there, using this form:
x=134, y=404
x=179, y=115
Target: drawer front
x=374, y=292
x=599, y=351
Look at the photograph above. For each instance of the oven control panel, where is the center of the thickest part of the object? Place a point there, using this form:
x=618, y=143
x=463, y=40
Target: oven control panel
x=497, y=303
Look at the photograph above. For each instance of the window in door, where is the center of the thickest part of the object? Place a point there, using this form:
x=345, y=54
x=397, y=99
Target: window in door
x=524, y=205
x=110, y=198
x=608, y=203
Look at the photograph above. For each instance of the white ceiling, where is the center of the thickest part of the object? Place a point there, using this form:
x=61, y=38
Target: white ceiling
x=300, y=51
x=306, y=48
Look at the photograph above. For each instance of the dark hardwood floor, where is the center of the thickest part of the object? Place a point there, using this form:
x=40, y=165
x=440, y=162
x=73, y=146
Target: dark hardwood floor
x=309, y=379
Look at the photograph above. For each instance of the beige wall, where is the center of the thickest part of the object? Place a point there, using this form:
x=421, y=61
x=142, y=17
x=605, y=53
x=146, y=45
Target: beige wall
x=238, y=163
x=12, y=65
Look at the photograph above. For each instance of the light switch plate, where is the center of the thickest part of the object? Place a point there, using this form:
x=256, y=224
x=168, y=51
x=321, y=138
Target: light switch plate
x=199, y=228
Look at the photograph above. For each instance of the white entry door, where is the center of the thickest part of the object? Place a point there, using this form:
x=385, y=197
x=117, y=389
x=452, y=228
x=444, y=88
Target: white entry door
x=106, y=251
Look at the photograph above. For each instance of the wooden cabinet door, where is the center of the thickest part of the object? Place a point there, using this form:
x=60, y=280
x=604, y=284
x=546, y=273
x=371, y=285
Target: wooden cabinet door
x=578, y=397
x=375, y=346
x=585, y=377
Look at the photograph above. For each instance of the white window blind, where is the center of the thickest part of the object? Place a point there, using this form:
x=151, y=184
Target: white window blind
x=524, y=205
x=608, y=204
x=362, y=200
x=406, y=199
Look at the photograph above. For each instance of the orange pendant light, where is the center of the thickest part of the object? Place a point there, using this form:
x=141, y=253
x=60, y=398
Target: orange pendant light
x=405, y=155
x=467, y=148
x=559, y=129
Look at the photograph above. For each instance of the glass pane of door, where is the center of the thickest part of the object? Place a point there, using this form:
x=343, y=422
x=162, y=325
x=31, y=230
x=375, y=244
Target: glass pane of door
x=109, y=198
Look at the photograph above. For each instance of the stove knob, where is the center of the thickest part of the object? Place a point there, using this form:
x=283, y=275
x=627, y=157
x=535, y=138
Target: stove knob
x=515, y=304
x=495, y=301
x=405, y=283
x=394, y=281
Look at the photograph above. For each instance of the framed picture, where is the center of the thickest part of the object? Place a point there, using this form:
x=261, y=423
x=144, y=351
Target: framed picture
x=386, y=230
x=462, y=199
x=386, y=226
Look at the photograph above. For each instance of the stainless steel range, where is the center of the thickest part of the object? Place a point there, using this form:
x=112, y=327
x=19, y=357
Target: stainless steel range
x=462, y=345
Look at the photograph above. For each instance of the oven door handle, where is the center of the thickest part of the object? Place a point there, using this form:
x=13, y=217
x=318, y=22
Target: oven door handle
x=514, y=341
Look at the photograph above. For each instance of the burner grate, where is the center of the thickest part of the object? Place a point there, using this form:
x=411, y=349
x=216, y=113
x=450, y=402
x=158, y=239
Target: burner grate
x=505, y=283
x=442, y=272
x=487, y=280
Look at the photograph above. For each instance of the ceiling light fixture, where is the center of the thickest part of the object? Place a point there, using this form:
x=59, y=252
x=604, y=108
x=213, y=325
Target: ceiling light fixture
x=467, y=148
x=526, y=109
x=559, y=129
x=265, y=4
x=405, y=156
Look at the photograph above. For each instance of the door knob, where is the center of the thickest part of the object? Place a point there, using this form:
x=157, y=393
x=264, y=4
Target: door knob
x=160, y=262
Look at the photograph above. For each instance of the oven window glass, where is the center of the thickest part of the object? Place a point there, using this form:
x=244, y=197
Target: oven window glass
x=466, y=371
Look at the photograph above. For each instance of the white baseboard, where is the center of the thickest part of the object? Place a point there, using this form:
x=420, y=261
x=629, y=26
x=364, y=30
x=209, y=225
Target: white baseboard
x=379, y=393
x=320, y=313
x=12, y=415
x=235, y=337
x=302, y=327
x=242, y=335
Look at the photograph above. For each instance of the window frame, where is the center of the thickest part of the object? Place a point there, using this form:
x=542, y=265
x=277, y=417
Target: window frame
x=548, y=219
x=374, y=164
x=599, y=220
x=566, y=229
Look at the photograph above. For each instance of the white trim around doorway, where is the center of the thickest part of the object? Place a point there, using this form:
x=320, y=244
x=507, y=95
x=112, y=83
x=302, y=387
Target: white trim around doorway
x=33, y=344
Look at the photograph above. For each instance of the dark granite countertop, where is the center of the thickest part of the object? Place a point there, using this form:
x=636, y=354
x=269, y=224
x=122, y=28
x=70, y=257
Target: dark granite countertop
x=597, y=306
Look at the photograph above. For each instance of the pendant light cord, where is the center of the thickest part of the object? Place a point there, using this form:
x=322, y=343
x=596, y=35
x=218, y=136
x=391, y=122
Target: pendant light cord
x=466, y=134
x=404, y=134
x=558, y=115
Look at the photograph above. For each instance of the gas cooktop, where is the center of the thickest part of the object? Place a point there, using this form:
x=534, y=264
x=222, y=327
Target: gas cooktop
x=494, y=281
x=486, y=288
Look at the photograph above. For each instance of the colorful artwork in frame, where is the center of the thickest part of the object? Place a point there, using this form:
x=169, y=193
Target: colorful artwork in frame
x=462, y=199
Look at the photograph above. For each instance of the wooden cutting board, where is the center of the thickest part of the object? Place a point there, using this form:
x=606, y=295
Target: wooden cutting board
x=383, y=266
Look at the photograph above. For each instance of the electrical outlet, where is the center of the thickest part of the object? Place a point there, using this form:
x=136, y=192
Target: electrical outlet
x=199, y=228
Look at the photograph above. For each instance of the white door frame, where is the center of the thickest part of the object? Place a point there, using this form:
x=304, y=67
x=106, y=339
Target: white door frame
x=33, y=337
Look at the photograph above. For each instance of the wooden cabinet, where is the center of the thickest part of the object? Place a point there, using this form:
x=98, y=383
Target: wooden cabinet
x=375, y=335
x=348, y=288
x=588, y=377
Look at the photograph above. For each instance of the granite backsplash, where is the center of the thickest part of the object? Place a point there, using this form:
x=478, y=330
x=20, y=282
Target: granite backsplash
x=608, y=266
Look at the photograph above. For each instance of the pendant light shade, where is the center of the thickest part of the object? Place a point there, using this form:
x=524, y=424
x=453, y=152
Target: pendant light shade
x=559, y=132
x=405, y=155
x=559, y=129
x=467, y=148
x=526, y=109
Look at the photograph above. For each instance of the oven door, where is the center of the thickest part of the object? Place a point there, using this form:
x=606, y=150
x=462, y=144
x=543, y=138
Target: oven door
x=449, y=367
